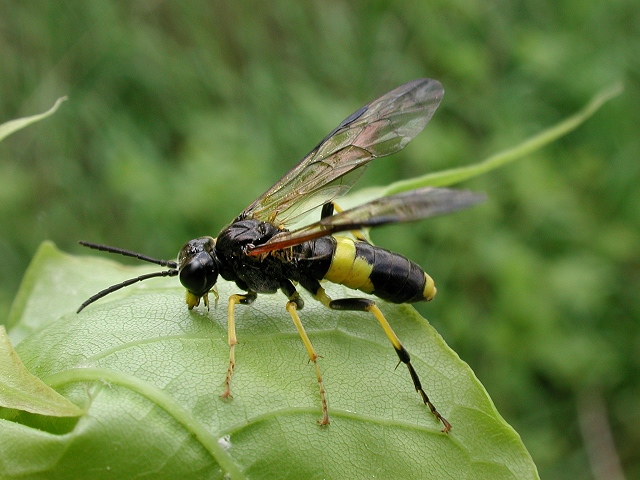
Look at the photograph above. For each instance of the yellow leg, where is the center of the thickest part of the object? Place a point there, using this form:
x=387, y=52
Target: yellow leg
x=231, y=335
x=366, y=305
x=328, y=210
x=313, y=356
x=404, y=357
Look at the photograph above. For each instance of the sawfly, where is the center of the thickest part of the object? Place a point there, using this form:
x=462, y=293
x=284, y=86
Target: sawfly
x=260, y=254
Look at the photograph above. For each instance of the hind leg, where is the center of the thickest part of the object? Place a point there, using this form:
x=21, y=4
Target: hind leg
x=330, y=208
x=366, y=305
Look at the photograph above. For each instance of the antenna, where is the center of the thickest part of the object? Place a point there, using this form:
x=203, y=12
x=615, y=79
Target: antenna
x=129, y=253
x=172, y=272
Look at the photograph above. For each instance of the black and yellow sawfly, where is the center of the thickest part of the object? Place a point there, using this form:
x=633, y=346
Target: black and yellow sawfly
x=259, y=253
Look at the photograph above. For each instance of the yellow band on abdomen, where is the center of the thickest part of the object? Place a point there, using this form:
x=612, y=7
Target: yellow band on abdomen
x=347, y=268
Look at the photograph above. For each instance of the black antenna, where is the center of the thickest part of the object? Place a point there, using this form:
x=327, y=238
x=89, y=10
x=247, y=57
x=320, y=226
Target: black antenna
x=129, y=253
x=172, y=272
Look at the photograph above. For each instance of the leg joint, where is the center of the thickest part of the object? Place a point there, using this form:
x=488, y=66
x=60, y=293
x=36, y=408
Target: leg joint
x=327, y=210
x=403, y=355
x=243, y=298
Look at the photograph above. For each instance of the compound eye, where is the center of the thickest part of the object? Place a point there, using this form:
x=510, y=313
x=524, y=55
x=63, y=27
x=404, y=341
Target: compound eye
x=199, y=274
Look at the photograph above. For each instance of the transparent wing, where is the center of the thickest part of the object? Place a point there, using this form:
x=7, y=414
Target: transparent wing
x=380, y=128
x=402, y=207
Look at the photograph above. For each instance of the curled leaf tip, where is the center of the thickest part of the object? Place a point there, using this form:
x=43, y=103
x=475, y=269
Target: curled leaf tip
x=12, y=126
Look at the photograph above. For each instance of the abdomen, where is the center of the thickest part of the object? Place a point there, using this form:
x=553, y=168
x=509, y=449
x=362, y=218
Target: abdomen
x=370, y=269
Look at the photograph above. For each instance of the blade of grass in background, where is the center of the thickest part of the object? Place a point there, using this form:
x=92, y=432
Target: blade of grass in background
x=13, y=126
x=457, y=175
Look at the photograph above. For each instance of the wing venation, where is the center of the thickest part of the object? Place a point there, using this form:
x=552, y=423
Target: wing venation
x=402, y=207
x=380, y=128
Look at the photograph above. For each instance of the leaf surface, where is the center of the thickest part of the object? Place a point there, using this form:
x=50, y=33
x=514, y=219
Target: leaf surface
x=21, y=390
x=149, y=373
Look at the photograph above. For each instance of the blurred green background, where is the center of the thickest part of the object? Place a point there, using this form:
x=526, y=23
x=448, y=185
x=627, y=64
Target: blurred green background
x=181, y=113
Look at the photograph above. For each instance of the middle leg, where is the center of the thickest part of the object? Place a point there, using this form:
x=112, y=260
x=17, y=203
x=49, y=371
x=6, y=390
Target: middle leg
x=292, y=308
x=244, y=299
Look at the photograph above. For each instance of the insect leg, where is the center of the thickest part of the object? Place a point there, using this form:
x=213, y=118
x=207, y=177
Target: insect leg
x=330, y=207
x=366, y=305
x=244, y=299
x=292, y=308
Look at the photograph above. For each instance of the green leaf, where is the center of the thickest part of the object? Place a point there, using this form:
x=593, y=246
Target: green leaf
x=460, y=174
x=12, y=126
x=23, y=391
x=151, y=373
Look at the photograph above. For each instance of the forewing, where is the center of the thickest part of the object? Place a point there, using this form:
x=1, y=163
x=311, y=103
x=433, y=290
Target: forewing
x=378, y=129
x=403, y=207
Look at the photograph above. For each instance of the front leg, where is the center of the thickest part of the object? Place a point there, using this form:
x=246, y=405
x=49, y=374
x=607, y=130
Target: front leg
x=244, y=299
